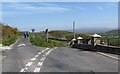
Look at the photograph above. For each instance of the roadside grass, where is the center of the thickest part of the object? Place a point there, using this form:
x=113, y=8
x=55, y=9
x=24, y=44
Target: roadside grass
x=113, y=41
x=9, y=41
x=40, y=41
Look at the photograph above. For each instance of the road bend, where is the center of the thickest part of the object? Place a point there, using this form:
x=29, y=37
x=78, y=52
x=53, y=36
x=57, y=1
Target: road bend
x=24, y=57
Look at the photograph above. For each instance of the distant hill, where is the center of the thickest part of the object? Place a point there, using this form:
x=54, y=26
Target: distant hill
x=66, y=34
x=60, y=33
x=92, y=30
x=112, y=32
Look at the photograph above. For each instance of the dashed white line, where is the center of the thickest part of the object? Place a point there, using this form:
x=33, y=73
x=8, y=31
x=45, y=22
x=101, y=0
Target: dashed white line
x=36, y=56
x=39, y=65
x=23, y=69
x=42, y=59
x=37, y=69
x=39, y=53
x=44, y=50
x=29, y=63
x=33, y=59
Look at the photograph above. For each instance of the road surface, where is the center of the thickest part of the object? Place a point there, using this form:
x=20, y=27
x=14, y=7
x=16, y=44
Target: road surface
x=24, y=57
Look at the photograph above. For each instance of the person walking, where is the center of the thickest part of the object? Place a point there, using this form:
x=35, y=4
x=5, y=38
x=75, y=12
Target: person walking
x=24, y=34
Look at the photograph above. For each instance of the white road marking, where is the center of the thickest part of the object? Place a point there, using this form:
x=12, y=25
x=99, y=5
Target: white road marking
x=37, y=69
x=44, y=55
x=23, y=69
x=36, y=56
x=44, y=50
x=108, y=55
x=49, y=52
x=21, y=45
x=39, y=53
x=39, y=65
x=33, y=59
x=29, y=63
x=42, y=59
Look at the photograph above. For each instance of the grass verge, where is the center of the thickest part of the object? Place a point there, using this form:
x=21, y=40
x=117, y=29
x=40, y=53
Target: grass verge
x=9, y=41
x=38, y=41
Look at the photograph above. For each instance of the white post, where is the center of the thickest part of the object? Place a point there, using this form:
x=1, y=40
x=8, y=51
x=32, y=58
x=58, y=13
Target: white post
x=74, y=29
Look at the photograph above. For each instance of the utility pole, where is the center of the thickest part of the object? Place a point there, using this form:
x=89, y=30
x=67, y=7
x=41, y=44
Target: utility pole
x=74, y=29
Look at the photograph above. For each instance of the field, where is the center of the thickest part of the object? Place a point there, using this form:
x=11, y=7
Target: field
x=39, y=39
x=58, y=38
x=113, y=41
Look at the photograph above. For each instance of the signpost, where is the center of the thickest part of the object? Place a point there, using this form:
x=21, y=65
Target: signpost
x=46, y=32
x=33, y=30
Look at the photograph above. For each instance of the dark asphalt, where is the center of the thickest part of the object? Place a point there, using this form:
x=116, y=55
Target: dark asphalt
x=29, y=58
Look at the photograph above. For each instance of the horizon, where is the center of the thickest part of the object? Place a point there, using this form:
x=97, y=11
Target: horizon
x=59, y=15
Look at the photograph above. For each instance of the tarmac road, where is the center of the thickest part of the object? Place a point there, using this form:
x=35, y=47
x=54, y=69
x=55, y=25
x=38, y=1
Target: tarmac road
x=24, y=57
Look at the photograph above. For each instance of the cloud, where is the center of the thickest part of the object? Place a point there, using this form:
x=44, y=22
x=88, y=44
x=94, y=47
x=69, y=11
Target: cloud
x=22, y=8
x=60, y=0
x=100, y=8
x=108, y=5
x=81, y=8
x=45, y=8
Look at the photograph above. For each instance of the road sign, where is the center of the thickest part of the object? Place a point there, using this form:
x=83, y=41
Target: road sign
x=46, y=31
x=33, y=30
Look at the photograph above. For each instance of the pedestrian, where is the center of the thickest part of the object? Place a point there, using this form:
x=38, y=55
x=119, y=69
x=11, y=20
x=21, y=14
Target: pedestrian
x=24, y=34
x=27, y=33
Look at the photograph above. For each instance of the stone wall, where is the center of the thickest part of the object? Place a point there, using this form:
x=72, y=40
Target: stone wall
x=108, y=49
x=100, y=48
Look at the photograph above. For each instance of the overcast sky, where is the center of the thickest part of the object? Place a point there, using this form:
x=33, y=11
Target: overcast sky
x=60, y=15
